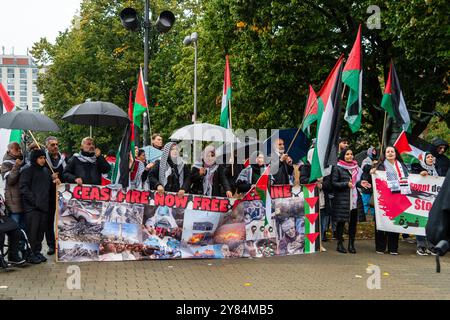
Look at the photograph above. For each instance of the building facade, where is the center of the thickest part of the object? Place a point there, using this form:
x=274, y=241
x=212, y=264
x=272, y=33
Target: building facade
x=18, y=74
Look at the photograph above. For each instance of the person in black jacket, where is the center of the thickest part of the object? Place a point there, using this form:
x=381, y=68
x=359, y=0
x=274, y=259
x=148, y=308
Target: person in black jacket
x=396, y=170
x=347, y=202
x=87, y=166
x=281, y=167
x=58, y=163
x=209, y=178
x=35, y=183
x=250, y=175
x=170, y=173
x=442, y=161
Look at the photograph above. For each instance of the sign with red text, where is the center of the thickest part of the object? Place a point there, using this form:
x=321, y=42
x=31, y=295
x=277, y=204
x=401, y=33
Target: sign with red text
x=96, y=223
x=405, y=213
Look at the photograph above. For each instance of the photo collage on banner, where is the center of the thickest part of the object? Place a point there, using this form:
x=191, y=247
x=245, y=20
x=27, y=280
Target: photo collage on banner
x=100, y=224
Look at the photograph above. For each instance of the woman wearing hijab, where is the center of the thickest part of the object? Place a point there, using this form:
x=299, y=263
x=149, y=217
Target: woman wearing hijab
x=210, y=179
x=426, y=167
x=170, y=173
x=250, y=175
x=396, y=175
x=347, y=203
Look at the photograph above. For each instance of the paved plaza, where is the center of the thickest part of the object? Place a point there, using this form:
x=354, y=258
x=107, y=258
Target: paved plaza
x=327, y=275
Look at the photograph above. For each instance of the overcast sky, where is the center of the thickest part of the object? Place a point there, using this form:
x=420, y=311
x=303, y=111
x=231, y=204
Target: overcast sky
x=23, y=22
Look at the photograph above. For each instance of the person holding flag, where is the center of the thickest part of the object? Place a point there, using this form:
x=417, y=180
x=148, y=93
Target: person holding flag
x=250, y=175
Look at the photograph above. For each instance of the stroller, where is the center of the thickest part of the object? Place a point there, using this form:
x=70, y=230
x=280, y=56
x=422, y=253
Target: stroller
x=7, y=225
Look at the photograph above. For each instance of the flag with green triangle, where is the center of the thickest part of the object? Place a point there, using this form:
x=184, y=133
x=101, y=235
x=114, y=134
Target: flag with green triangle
x=311, y=112
x=352, y=77
x=140, y=102
x=226, y=96
x=393, y=101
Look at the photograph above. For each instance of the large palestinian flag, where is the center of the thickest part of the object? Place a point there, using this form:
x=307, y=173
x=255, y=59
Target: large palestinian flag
x=329, y=124
x=352, y=77
x=140, y=102
x=393, y=101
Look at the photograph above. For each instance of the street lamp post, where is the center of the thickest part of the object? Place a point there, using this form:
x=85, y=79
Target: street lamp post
x=130, y=21
x=188, y=40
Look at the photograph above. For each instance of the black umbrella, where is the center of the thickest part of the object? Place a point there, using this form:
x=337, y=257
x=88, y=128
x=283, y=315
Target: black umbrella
x=97, y=114
x=27, y=120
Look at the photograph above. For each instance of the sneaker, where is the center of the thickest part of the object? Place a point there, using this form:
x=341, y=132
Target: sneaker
x=393, y=253
x=432, y=251
x=323, y=249
x=16, y=261
x=51, y=251
x=33, y=259
x=422, y=251
x=410, y=240
x=41, y=257
x=379, y=252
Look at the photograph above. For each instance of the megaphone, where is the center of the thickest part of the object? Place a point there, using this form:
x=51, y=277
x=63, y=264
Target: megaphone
x=129, y=19
x=165, y=21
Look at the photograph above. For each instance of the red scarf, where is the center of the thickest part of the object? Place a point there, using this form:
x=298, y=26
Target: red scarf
x=352, y=167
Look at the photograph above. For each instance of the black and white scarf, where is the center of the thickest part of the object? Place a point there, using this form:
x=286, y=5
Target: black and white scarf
x=61, y=161
x=165, y=170
x=84, y=158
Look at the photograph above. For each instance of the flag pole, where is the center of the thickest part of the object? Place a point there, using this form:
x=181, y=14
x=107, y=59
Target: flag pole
x=39, y=146
x=232, y=144
x=382, y=136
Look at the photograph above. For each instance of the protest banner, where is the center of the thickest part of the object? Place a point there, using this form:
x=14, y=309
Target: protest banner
x=405, y=213
x=96, y=223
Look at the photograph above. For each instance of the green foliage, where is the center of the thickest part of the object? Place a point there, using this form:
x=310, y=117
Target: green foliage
x=276, y=49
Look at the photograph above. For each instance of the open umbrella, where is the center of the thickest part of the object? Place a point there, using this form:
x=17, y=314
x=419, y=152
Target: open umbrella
x=27, y=120
x=97, y=114
x=226, y=149
x=204, y=132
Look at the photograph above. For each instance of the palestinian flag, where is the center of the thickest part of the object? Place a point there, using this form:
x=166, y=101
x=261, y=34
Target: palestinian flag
x=312, y=221
x=140, y=102
x=121, y=174
x=6, y=135
x=393, y=101
x=329, y=124
x=310, y=115
x=409, y=152
x=226, y=97
x=259, y=191
x=352, y=77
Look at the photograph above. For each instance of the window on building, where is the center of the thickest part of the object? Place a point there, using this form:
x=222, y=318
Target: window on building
x=35, y=99
x=36, y=106
x=23, y=93
x=10, y=72
x=35, y=73
x=11, y=87
x=23, y=99
x=23, y=73
x=10, y=81
x=23, y=82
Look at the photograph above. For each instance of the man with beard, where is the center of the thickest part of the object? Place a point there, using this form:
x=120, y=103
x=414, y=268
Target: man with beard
x=292, y=242
x=284, y=168
x=57, y=163
x=87, y=166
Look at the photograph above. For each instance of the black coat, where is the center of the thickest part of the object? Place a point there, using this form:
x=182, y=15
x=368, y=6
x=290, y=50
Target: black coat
x=341, y=201
x=232, y=176
x=220, y=182
x=35, y=183
x=90, y=173
x=173, y=182
x=283, y=174
x=442, y=162
x=438, y=225
x=245, y=186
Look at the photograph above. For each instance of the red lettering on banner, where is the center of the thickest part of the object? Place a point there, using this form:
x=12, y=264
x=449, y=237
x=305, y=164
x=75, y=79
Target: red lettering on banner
x=169, y=200
x=77, y=192
x=120, y=196
x=281, y=191
x=196, y=201
x=159, y=199
x=181, y=202
x=422, y=205
x=135, y=196
x=85, y=193
x=105, y=194
x=95, y=194
x=144, y=197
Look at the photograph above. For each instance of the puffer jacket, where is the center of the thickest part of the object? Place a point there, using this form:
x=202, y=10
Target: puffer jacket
x=35, y=183
x=341, y=201
x=11, y=173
